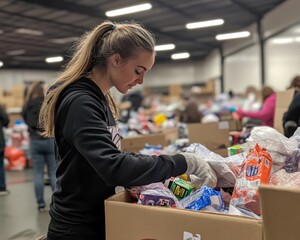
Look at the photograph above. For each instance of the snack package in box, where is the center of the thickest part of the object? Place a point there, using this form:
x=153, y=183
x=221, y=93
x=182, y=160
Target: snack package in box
x=181, y=188
x=256, y=170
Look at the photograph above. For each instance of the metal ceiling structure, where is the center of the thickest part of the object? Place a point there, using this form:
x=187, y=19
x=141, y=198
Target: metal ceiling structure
x=58, y=23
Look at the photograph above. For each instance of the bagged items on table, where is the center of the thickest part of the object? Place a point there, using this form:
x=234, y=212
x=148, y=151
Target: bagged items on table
x=256, y=170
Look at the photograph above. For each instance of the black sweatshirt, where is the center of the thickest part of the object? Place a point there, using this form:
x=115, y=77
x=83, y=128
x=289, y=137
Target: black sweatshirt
x=30, y=113
x=90, y=165
x=292, y=114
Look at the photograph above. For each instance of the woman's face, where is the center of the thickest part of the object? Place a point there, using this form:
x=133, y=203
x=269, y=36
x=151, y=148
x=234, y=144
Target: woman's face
x=125, y=75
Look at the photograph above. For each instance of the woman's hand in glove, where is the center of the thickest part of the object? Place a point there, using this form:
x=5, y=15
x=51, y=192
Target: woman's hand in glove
x=201, y=170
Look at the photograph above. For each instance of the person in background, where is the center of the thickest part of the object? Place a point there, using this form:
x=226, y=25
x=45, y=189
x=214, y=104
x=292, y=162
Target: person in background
x=80, y=113
x=41, y=148
x=291, y=118
x=267, y=111
x=4, y=121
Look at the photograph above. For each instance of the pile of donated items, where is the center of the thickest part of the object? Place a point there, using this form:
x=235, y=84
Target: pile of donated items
x=268, y=158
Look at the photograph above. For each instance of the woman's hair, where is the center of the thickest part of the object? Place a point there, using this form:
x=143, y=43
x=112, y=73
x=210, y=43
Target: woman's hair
x=295, y=83
x=34, y=90
x=266, y=92
x=92, y=52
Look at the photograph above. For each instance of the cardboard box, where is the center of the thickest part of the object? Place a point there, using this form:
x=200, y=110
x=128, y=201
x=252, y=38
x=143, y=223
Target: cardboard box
x=235, y=125
x=215, y=136
x=171, y=134
x=135, y=144
x=128, y=221
x=283, y=100
x=281, y=212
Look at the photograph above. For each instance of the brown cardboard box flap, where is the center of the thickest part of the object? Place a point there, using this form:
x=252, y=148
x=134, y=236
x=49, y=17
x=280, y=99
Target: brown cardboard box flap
x=281, y=212
x=212, y=135
x=135, y=144
x=283, y=100
x=130, y=221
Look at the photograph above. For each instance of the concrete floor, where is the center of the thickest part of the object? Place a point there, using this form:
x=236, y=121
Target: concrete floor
x=19, y=217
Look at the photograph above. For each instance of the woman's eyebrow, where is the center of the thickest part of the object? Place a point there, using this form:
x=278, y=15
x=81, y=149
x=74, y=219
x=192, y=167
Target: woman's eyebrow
x=142, y=67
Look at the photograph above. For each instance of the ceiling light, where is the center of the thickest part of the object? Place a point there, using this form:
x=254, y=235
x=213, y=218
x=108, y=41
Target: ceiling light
x=1, y=64
x=29, y=31
x=164, y=47
x=54, y=59
x=233, y=35
x=180, y=55
x=204, y=24
x=128, y=10
x=282, y=40
x=64, y=40
x=15, y=52
x=297, y=39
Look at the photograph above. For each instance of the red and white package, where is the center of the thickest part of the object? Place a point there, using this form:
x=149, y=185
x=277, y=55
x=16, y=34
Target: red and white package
x=256, y=170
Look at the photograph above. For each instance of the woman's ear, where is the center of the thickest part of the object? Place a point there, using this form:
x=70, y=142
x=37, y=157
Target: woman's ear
x=116, y=59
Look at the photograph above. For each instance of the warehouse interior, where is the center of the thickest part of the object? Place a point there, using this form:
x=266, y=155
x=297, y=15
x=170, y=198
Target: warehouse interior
x=197, y=65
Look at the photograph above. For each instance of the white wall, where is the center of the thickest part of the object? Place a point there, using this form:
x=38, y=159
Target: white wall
x=182, y=71
x=211, y=66
x=283, y=58
x=8, y=78
x=281, y=17
x=242, y=70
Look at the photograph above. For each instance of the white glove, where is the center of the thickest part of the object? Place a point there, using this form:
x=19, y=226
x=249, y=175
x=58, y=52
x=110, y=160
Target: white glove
x=199, y=171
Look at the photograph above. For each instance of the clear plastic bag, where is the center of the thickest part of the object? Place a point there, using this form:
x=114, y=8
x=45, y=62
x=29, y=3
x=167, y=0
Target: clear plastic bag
x=226, y=178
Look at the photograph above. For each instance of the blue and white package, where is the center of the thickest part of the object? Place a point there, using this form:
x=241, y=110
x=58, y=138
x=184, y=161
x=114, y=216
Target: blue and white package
x=204, y=198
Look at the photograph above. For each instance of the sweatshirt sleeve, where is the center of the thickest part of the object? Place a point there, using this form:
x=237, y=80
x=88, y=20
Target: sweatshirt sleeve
x=293, y=112
x=264, y=114
x=4, y=118
x=87, y=132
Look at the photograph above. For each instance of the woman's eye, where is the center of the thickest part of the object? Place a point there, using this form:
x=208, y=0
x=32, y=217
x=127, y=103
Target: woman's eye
x=137, y=72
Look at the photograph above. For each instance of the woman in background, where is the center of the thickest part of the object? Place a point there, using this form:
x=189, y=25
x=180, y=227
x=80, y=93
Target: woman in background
x=291, y=118
x=4, y=121
x=267, y=111
x=41, y=148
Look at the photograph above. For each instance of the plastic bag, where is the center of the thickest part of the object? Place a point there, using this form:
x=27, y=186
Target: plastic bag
x=255, y=171
x=285, y=179
x=225, y=176
x=279, y=147
x=204, y=198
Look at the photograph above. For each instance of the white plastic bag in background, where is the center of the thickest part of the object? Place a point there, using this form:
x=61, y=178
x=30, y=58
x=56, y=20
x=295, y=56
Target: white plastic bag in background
x=279, y=146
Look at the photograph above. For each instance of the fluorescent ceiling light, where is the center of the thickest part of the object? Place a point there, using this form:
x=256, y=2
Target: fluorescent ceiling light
x=1, y=64
x=204, y=24
x=180, y=55
x=64, y=40
x=29, y=31
x=54, y=59
x=233, y=35
x=128, y=10
x=282, y=40
x=164, y=47
x=297, y=39
x=15, y=52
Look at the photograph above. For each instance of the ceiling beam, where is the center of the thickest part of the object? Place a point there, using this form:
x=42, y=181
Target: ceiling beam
x=247, y=9
x=80, y=9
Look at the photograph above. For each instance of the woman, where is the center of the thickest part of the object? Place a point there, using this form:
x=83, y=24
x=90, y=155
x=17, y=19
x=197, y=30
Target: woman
x=79, y=111
x=266, y=113
x=291, y=118
x=41, y=148
x=4, y=121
